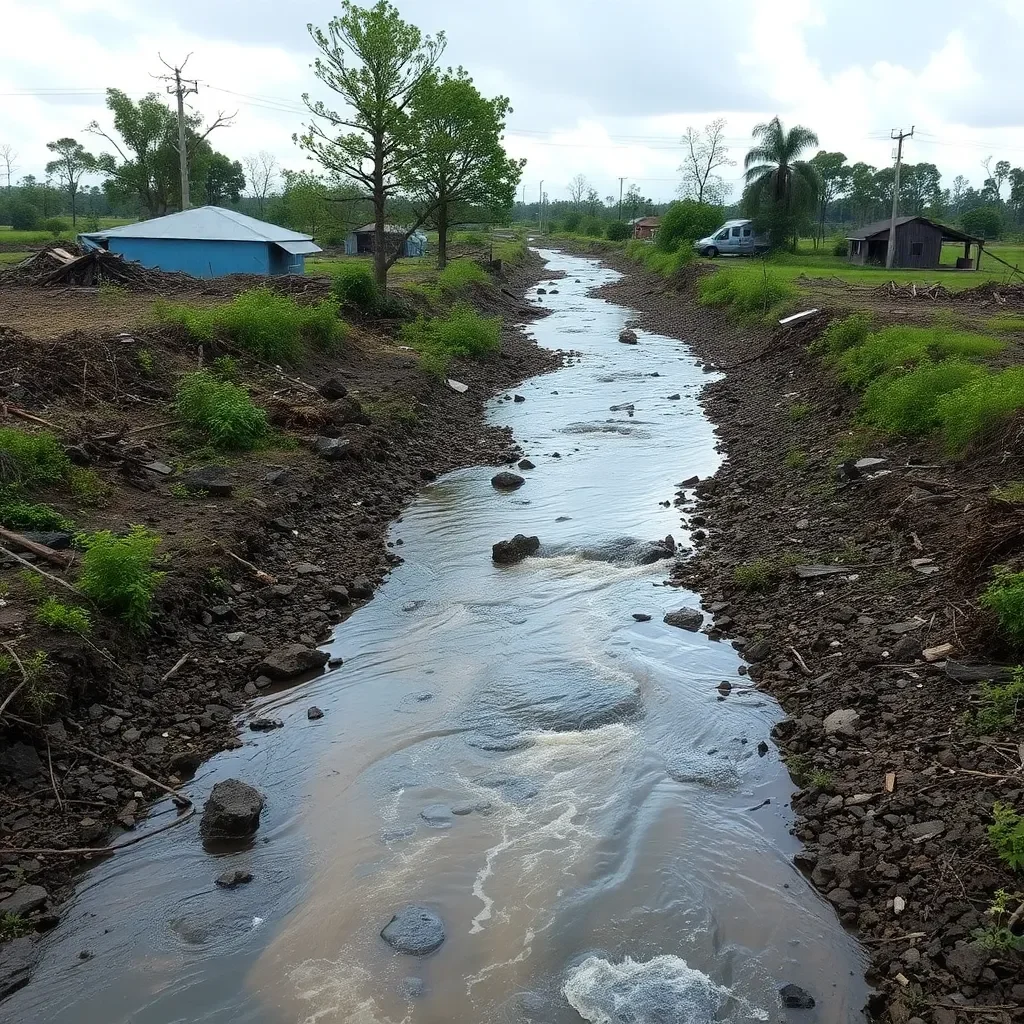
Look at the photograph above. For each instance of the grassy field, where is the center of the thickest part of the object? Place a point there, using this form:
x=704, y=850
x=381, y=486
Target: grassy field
x=8, y=236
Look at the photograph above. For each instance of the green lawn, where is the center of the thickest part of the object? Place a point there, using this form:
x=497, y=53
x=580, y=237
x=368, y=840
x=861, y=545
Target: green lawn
x=411, y=267
x=9, y=236
x=13, y=257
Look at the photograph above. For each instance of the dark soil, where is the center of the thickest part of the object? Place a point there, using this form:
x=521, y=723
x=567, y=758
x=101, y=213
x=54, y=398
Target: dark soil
x=312, y=530
x=894, y=808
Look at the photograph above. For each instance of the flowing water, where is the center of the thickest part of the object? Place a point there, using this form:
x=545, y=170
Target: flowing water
x=620, y=860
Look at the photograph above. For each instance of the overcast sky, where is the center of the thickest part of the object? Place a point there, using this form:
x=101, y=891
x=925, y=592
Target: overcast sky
x=602, y=88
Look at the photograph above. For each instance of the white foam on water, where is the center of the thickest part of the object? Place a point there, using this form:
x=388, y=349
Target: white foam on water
x=336, y=991
x=665, y=990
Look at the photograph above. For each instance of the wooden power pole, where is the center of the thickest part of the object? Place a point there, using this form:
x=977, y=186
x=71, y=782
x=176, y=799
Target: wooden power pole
x=896, y=134
x=181, y=88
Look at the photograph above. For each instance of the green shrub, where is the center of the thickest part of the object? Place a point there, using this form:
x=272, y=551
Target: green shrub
x=222, y=410
x=355, y=285
x=23, y=215
x=31, y=459
x=460, y=274
x=1005, y=596
x=906, y=347
x=87, y=484
x=796, y=459
x=840, y=247
x=18, y=514
x=572, y=220
x=798, y=410
x=844, y=334
x=661, y=262
x=757, y=576
x=13, y=925
x=685, y=221
x=1006, y=834
x=820, y=779
x=57, y=226
x=58, y=615
x=907, y=403
x=751, y=291
x=1001, y=704
x=117, y=573
x=463, y=333
x=617, y=231
x=265, y=323
x=592, y=227
x=978, y=408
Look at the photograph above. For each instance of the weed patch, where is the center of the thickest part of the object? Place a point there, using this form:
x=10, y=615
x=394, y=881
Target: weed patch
x=11, y=926
x=462, y=334
x=758, y=576
x=841, y=335
x=354, y=285
x=59, y=615
x=31, y=459
x=908, y=403
x=796, y=459
x=1005, y=596
x=1006, y=834
x=459, y=274
x=799, y=410
x=1001, y=704
x=980, y=407
x=221, y=410
x=1012, y=492
x=117, y=573
x=18, y=514
x=750, y=291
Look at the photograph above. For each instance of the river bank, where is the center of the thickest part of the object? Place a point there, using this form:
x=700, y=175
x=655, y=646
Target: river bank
x=288, y=546
x=897, y=793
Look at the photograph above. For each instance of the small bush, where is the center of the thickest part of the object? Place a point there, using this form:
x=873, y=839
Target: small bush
x=57, y=226
x=1001, y=704
x=617, y=231
x=117, y=573
x=463, y=333
x=751, y=291
x=222, y=410
x=13, y=925
x=17, y=514
x=757, y=576
x=31, y=459
x=840, y=247
x=796, y=459
x=685, y=221
x=460, y=274
x=820, y=779
x=798, y=410
x=841, y=335
x=265, y=323
x=87, y=485
x=980, y=407
x=908, y=403
x=1011, y=492
x=58, y=615
x=355, y=285
x=23, y=215
x=1006, y=834
x=1005, y=596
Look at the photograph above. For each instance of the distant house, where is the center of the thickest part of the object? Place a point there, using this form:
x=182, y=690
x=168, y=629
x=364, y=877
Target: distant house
x=360, y=241
x=208, y=241
x=918, y=243
x=646, y=227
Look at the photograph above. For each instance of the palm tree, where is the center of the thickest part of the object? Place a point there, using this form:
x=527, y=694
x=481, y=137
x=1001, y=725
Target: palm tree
x=777, y=182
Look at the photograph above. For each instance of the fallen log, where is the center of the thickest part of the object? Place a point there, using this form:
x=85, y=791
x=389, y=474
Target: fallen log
x=39, y=550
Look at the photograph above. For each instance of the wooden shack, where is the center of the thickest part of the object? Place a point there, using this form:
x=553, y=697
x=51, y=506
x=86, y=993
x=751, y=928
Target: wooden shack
x=918, y=244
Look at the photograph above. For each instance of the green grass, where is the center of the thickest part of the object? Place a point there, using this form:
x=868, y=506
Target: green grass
x=459, y=274
x=1011, y=492
x=32, y=584
x=664, y=263
x=980, y=407
x=31, y=459
x=1005, y=596
x=8, y=236
x=908, y=403
x=462, y=334
x=799, y=410
x=757, y=576
x=752, y=290
x=509, y=250
x=265, y=323
x=117, y=573
x=223, y=411
x=18, y=514
x=1005, y=324
x=796, y=459
x=13, y=257
x=59, y=615
x=354, y=285
x=841, y=335
x=1006, y=834
x=1001, y=704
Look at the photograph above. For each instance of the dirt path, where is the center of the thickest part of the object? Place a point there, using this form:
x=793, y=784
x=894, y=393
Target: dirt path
x=897, y=792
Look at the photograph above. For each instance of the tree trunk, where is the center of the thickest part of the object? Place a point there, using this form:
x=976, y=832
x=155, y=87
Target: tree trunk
x=73, y=210
x=380, y=257
x=442, y=235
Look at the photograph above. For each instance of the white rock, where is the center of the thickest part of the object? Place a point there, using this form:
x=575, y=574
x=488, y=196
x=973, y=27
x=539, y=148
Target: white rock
x=842, y=721
x=899, y=904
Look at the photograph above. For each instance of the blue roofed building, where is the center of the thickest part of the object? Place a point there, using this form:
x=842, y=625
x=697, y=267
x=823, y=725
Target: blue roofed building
x=208, y=241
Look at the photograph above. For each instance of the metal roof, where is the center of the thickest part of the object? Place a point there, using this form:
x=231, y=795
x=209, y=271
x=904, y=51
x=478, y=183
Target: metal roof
x=208, y=224
x=881, y=227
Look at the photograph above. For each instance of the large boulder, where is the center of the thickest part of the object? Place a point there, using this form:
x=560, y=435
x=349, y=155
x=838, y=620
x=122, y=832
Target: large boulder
x=414, y=930
x=24, y=900
x=506, y=481
x=842, y=722
x=508, y=552
x=290, y=661
x=348, y=410
x=232, y=810
x=333, y=389
x=685, y=618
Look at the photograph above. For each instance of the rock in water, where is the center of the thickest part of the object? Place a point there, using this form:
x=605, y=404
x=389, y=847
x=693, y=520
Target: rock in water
x=628, y=337
x=508, y=552
x=526, y=464
x=414, y=930
x=233, y=809
x=314, y=713
x=795, y=998
x=291, y=660
x=506, y=481
x=233, y=879
x=685, y=618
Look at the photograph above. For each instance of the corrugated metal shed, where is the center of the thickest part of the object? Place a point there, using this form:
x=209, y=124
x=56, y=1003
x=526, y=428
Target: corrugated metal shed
x=209, y=224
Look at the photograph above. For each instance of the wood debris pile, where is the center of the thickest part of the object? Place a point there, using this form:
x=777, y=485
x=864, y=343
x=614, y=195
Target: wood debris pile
x=70, y=266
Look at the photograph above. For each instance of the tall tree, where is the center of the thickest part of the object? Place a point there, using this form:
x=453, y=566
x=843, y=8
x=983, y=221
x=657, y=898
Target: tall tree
x=834, y=174
x=920, y=188
x=593, y=201
x=458, y=161
x=956, y=195
x=704, y=152
x=222, y=179
x=374, y=61
x=780, y=186
x=1016, y=200
x=577, y=189
x=71, y=164
x=994, y=178
x=8, y=155
x=261, y=176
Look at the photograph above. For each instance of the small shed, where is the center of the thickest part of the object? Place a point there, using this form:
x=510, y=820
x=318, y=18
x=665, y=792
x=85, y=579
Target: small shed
x=208, y=241
x=646, y=227
x=360, y=242
x=918, y=243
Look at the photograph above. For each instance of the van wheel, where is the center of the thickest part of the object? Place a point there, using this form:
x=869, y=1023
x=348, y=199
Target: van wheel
x=710, y=252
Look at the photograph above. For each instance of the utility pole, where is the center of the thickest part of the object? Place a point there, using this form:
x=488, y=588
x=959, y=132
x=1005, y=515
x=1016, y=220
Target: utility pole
x=621, y=180
x=900, y=135
x=540, y=205
x=181, y=88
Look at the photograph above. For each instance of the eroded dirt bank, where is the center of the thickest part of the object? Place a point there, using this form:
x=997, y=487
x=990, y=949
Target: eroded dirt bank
x=897, y=790
x=310, y=528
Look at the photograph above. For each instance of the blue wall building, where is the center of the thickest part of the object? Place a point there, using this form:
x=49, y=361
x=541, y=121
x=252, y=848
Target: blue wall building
x=208, y=242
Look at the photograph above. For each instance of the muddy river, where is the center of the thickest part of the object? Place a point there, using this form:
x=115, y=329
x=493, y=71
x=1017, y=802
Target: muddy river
x=508, y=747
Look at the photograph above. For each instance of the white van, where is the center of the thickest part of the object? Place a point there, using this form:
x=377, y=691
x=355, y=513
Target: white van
x=733, y=238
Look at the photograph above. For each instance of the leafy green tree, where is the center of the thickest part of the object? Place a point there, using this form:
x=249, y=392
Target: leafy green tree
x=71, y=163
x=863, y=193
x=983, y=222
x=834, y=174
x=458, y=162
x=780, y=188
x=222, y=178
x=618, y=231
x=23, y=215
x=687, y=220
x=920, y=188
x=374, y=61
